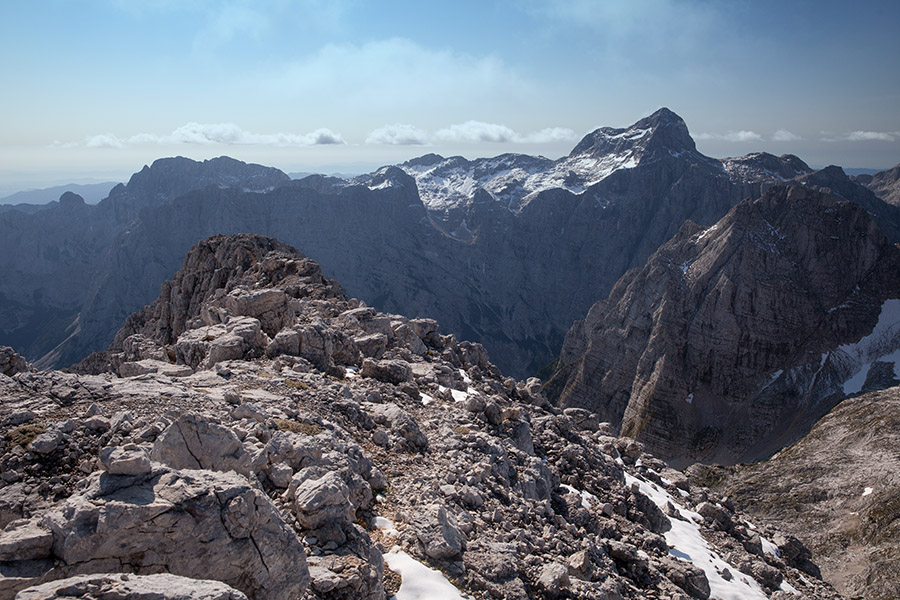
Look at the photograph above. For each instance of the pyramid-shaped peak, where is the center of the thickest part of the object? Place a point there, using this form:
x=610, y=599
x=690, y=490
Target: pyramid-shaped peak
x=663, y=129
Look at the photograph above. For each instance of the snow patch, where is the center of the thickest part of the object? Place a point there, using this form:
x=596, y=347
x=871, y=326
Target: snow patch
x=382, y=186
x=458, y=395
x=587, y=498
x=769, y=547
x=867, y=491
x=418, y=581
x=385, y=525
x=690, y=398
x=787, y=587
x=686, y=543
x=883, y=344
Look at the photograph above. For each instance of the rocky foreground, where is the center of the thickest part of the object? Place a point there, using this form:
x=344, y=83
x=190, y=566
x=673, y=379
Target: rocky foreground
x=255, y=433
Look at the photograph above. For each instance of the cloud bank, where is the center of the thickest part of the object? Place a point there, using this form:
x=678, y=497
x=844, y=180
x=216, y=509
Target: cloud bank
x=227, y=134
x=469, y=132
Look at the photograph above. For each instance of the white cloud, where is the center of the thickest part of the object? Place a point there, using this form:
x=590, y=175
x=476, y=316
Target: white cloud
x=732, y=136
x=783, y=135
x=227, y=134
x=865, y=136
x=103, y=141
x=476, y=131
x=479, y=131
x=861, y=136
x=548, y=135
x=398, y=134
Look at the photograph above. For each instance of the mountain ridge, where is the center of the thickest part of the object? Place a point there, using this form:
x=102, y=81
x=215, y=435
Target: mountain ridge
x=727, y=344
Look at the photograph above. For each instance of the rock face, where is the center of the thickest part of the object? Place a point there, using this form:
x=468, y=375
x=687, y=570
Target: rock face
x=885, y=185
x=51, y=261
x=836, y=490
x=308, y=457
x=735, y=338
x=189, y=523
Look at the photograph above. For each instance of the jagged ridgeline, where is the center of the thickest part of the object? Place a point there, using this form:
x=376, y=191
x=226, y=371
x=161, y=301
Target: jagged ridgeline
x=505, y=251
x=255, y=433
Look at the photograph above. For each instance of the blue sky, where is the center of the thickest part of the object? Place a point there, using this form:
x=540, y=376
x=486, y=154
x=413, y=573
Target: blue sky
x=94, y=89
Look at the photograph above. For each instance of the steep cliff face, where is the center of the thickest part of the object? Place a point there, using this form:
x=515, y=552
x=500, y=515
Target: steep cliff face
x=733, y=339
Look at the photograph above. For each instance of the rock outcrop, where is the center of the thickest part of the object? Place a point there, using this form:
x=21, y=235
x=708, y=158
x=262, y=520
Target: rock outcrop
x=115, y=586
x=734, y=339
x=885, y=184
x=329, y=449
x=188, y=523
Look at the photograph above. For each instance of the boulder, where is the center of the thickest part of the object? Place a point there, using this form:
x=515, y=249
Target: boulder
x=10, y=362
x=127, y=460
x=438, y=532
x=389, y=371
x=194, y=442
x=122, y=586
x=188, y=523
x=323, y=506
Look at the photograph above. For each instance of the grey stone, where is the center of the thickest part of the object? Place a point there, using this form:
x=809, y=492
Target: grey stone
x=123, y=586
x=127, y=460
x=194, y=442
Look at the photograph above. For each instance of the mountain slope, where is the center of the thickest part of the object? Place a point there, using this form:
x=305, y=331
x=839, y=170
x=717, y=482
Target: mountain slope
x=733, y=339
x=507, y=251
x=885, y=185
x=836, y=489
x=51, y=259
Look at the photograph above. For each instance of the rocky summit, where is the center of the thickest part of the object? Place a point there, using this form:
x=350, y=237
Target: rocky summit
x=734, y=339
x=255, y=433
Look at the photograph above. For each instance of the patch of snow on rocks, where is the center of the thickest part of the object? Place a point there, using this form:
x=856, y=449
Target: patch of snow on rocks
x=770, y=548
x=587, y=498
x=787, y=587
x=418, y=581
x=867, y=491
x=686, y=543
x=883, y=344
x=385, y=525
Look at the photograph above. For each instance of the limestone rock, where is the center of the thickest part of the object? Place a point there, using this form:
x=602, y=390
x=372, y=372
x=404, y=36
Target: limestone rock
x=128, y=460
x=189, y=523
x=438, y=532
x=10, y=362
x=194, y=442
x=120, y=586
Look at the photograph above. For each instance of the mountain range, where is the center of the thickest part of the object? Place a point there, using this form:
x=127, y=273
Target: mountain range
x=506, y=251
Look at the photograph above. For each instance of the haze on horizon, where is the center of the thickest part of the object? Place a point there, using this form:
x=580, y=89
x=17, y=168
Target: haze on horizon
x=97, y=89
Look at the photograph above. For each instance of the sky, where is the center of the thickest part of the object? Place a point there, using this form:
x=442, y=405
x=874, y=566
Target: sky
x=95, y=89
